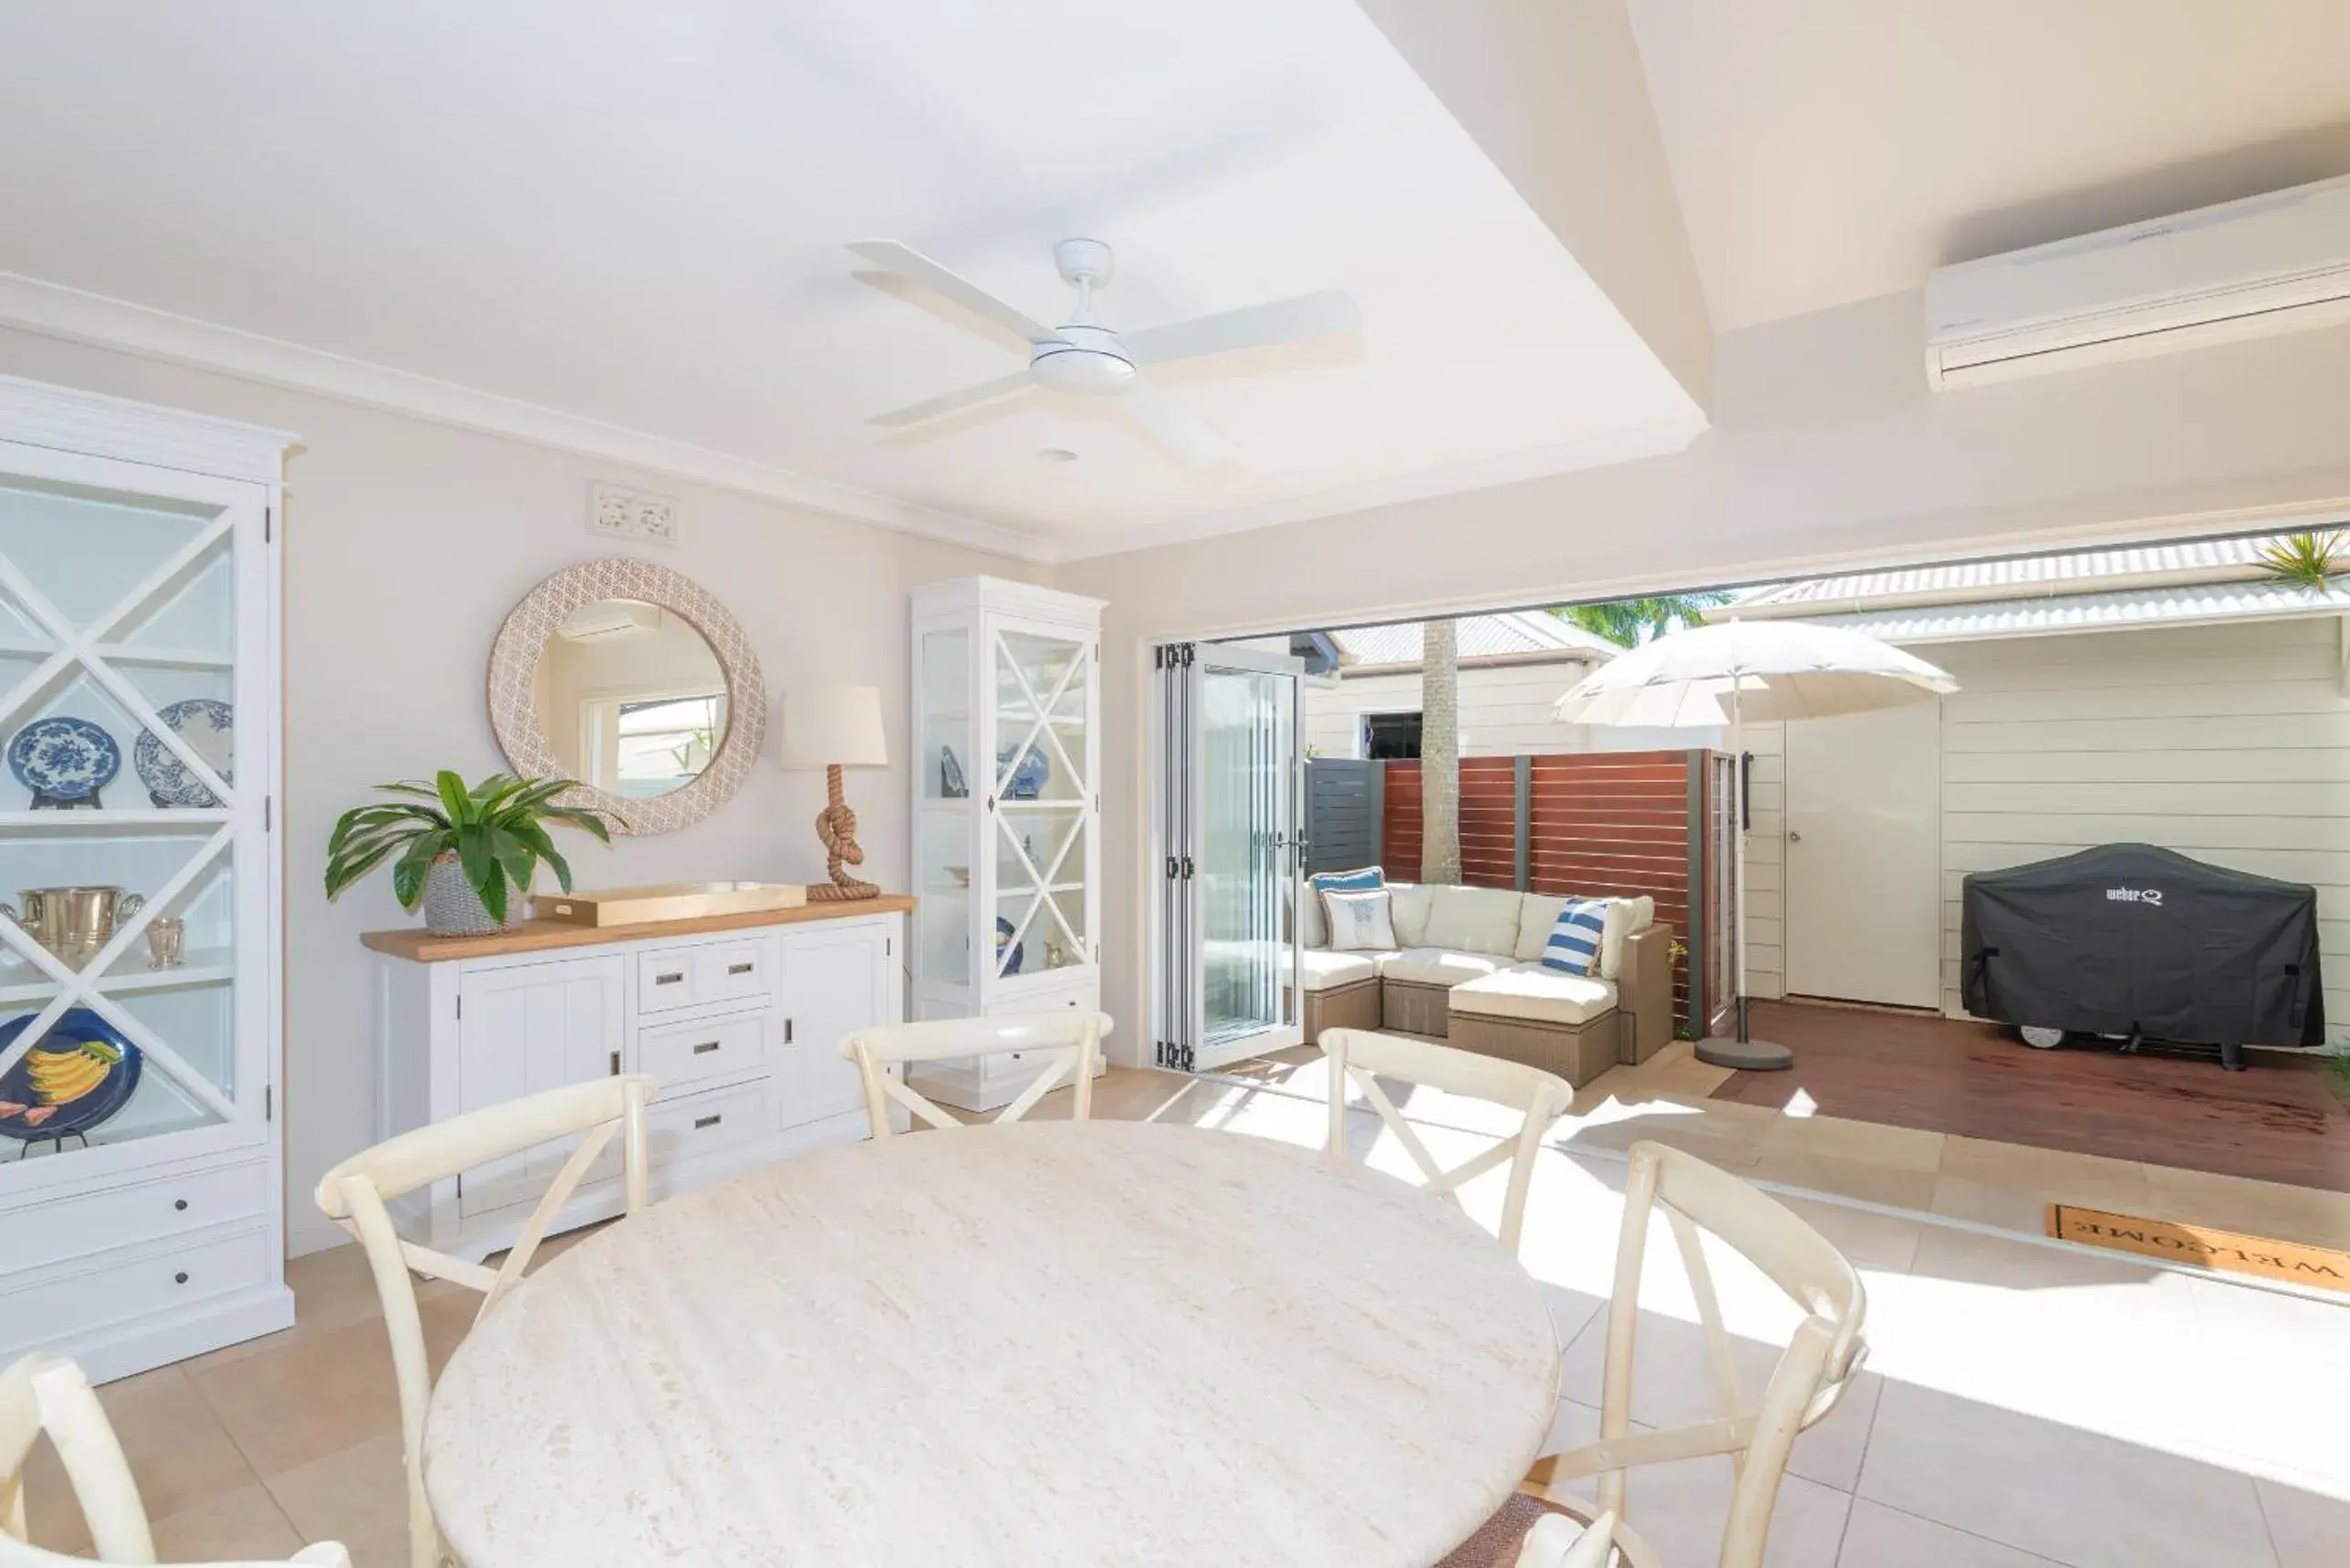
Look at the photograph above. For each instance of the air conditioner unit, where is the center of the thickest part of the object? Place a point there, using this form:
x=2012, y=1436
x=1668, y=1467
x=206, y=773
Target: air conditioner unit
x=608, y=618
x=2279, y=262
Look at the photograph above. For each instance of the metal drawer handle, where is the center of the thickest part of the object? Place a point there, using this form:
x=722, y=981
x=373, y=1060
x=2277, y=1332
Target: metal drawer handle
x=180, y=1278
x=179, y=1204
x=708, y=1121
x=705, y=1048
x=668, y=979
x=741, y=968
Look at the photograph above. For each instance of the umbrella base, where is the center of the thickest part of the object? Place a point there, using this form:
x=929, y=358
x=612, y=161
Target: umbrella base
x=1747, y=1055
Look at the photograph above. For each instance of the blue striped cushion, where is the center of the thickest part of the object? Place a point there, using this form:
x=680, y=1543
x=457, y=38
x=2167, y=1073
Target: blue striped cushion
x=1574, y=945
x=1369, y=879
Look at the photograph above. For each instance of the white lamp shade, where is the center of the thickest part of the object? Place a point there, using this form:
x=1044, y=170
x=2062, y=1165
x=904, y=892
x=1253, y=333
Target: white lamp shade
x=827, y=726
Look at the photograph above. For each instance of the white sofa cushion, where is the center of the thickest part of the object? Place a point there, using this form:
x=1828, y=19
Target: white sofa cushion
x=1539, y=912
x=1475, y=919
x=1438, y=966
x=1359, y=922
x=1624, y=917
x=1408, y=907
x=1532, y=992
x=1326, y=970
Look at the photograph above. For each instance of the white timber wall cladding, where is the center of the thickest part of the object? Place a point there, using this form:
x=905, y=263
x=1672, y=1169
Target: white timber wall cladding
x=2230, y=744
x=1765, y=858
x=1504, y=712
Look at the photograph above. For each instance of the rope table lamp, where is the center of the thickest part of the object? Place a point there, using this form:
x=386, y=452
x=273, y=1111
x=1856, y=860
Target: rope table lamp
x=832, y=728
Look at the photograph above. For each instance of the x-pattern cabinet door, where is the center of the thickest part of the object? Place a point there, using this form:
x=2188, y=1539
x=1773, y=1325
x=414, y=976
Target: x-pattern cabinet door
x=1042, y=868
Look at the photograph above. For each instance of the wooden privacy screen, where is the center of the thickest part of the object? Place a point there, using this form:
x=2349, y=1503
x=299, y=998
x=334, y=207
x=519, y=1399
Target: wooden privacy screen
x=1601, y=823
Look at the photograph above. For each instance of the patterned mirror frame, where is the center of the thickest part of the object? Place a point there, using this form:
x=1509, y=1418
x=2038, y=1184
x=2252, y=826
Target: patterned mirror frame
x=514, y=671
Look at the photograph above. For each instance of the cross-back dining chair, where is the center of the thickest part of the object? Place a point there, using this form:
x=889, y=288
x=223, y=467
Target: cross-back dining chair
x=1068, y=1041
x=1360, y=1059
x=357, y=1195
x=1819, y=1364
x=44, y=1394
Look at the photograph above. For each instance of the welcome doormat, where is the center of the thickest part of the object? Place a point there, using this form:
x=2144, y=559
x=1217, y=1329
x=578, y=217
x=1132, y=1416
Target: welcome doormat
x=2223, y=1251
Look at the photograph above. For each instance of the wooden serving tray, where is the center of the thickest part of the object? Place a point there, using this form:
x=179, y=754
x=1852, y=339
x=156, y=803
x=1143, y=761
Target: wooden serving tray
x=668, y=901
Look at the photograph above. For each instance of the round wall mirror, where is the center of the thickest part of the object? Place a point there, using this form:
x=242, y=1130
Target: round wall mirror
x=634, y=681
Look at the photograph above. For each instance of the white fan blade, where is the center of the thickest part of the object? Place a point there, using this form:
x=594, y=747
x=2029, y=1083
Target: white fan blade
x=985, y=392
x=1198, y=444
x=1308, y=315
x=915, y=267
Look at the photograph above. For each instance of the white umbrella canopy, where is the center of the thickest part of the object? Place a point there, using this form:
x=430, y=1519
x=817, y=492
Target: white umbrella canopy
x=1780, y=670
x=1768, y=671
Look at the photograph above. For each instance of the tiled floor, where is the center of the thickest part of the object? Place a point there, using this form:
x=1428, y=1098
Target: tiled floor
x=2025, y=1404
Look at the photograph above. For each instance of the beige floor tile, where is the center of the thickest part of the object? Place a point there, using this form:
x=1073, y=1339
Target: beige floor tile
x=1880, y=1537
x=1898, y=1149
x=2307, y=1529
x=1866, y=1179
x=2083, y=1498
x=1872, y=1243
x=245, y=1523
x=322, y=1393
x=2050, y=1175
x=1679, y=1507
x=179, y=1455
x=2256, y=1207
x=357, y=1496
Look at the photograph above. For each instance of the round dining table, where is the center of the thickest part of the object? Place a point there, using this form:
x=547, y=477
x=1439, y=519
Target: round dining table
x=1053, y=1344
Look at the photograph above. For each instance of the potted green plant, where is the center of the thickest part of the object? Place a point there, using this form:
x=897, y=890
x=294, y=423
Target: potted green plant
x=463, y=851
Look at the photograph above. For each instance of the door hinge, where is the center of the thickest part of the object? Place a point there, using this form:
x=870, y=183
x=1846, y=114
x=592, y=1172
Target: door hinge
x=461, y=1005
x=269, y=523
x=888, y=947
x=787, y=1031
x=1189, y=868
x=616, y=1063
x=269, y=1102
x=268, y=812
x=1186, y=651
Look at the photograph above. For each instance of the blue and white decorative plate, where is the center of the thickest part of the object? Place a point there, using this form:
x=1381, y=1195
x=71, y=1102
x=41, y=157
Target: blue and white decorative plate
x=1029, y=778
x=61, y=758
x=209, y=729
x=1004, y=932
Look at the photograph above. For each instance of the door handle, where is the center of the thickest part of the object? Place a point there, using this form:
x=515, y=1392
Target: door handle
x=1794, y=838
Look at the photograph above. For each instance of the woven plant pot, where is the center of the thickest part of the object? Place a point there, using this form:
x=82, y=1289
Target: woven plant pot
x=452, y=908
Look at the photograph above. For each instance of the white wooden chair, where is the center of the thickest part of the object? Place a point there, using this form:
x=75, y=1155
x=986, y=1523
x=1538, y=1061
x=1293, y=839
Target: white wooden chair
x=41, y=1394
x=1070, y=1041
x=1361, y=1058
x=1818, y=1365
x=356, y=1194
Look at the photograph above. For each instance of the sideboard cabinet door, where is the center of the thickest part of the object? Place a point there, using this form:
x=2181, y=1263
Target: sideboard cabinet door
x=524, y=1029
x=836, y=981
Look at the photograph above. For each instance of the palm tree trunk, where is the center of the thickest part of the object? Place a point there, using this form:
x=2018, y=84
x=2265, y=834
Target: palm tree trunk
x=1439, y=752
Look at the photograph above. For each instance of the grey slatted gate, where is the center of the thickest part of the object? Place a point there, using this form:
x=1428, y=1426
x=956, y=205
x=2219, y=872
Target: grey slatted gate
x=1344, y=801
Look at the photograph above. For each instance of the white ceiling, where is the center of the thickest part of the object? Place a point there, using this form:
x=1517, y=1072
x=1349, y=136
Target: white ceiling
x=634, y=214
x=1831, y=151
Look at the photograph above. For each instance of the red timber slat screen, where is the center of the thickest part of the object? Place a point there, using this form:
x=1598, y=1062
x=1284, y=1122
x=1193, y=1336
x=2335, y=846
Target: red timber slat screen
x=1597, y=822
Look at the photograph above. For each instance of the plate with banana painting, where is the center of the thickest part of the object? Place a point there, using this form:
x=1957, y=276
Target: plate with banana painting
x=81, y=1072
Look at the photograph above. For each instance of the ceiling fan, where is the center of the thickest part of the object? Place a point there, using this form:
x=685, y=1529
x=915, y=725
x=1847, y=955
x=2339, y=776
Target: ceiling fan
x=1084, y=356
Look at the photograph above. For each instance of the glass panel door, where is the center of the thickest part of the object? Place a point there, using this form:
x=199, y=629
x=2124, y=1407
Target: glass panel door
x=1229, y=827
x=1041, y=795
x=122, y=1018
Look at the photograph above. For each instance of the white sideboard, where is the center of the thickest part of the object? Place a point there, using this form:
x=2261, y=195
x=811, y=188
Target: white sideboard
x=739, y=1019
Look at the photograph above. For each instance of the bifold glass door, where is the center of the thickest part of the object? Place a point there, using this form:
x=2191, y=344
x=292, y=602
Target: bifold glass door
x=1228, y=855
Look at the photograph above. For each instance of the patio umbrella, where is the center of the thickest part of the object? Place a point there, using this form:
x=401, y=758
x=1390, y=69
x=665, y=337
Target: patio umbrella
x=1766, y=671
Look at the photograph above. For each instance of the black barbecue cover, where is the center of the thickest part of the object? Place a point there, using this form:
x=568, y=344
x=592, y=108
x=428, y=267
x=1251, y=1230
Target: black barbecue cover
x=2127, y=939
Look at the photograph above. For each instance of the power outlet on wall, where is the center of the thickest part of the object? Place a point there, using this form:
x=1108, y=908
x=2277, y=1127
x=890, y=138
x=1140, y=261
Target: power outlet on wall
x=615, y=512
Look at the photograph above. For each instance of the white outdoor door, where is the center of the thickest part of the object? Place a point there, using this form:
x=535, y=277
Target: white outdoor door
x=1864, y=856
x=1227, y=856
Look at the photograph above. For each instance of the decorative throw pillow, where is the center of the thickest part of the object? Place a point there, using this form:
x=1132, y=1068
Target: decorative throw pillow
x=1316, y=917
x=1359, y=922
x=1574, y=945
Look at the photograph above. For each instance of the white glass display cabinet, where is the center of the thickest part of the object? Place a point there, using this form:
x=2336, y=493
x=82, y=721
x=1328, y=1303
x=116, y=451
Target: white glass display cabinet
x=1006, y=751
x=140, y=1182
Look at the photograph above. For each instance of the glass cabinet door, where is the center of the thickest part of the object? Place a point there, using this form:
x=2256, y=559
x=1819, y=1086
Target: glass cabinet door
x=1041, y=793
x=127, y=869
x=949, y=773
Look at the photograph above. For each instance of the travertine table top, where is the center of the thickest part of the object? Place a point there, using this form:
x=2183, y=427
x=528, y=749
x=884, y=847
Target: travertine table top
x=1044, y=1344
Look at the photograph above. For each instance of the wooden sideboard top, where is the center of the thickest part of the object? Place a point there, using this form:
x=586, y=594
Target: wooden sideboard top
x=419, y=945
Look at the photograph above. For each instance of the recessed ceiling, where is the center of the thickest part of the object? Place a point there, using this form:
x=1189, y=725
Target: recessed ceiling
x=1831, y=151
x=636, y=216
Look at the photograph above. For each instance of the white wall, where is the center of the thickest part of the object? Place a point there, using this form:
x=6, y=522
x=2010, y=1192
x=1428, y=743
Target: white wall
x=2230, y=744
x=406, y=544
x=1827, y=450
x=1504, y=712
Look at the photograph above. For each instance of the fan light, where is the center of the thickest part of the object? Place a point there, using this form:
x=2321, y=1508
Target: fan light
x=1087, y=359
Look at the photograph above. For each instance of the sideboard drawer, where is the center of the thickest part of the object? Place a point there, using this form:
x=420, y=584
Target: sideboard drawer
x=682, y=1055
x=665, y=981
x=699, y=1125
x=54, y=1307
x=40, y=1234
x=737, y=971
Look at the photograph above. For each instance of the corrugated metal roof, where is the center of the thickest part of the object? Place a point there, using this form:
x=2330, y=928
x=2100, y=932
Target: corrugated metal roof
x=1518, y=636
x=2264, y=597
x=2200, y=561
